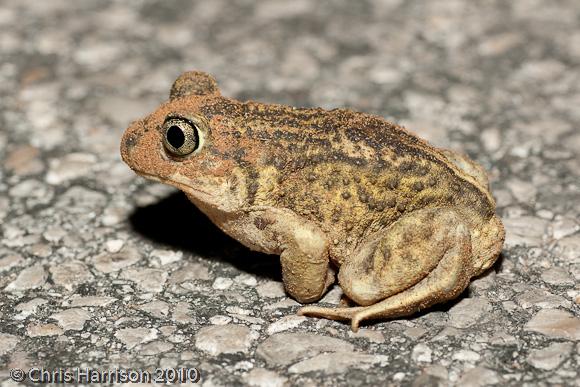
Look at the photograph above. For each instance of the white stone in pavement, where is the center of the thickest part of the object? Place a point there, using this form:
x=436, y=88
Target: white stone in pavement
x=421, y=353
x=220, y=319
x=72, y=319
x=69, y=167
x=524, y=191
x=563, y=227
x=540, y=298
x=28, y=308
x=113, y=215
x=285, y=323
x=371, y=335
x=155, y=348
x=76, y=301
x=149, y=280
x=491, y=139
x=414, y=333
x=7, y=343
x=24, y=160
x=466, y=355
x=550, y=357
x=34, y=191
x=108, y=263
x=246, y=279
x=479, y=376
x=524, y=231
x=338, y=362
x=29, y=278
x=569, y=247
x=182, y=313
x=114, y=245
x=229, y=338
x=54, y=234
x=222, y=283
x=431, y=376
x=503, y=338
x=333, y=296
x=36, y=330
x=190, y=272
x=468, y=312
x=270, y=289
x=80, y=201
x=261, y=377
x=132, y=337
x=284, y=303
x=555, y=323
x=285, y=348
x=70, y=274
x=4, y=207
x=157, y=308
x=557, y=276
x=10, y=260
x=167, y=256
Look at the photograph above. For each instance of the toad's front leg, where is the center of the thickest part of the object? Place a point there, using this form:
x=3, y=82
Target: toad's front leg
x=302, y=245
x=422, y=259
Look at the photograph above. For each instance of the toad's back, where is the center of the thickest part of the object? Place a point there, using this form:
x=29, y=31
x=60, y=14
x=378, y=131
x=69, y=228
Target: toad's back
x=352, y=173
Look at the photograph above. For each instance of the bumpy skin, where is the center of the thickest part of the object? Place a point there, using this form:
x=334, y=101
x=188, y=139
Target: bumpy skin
x=408, y=225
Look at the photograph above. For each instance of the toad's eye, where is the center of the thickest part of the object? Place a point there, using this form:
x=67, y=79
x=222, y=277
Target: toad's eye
x=180, y=136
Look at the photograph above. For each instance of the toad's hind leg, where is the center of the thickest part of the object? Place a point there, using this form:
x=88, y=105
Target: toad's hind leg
x=423, y=259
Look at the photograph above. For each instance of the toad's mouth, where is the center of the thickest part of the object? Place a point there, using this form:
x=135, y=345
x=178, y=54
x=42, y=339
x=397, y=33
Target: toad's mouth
x=178, y=181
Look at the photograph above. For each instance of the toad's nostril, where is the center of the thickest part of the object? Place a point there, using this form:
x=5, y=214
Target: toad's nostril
x=132, y=135
x=130, y=141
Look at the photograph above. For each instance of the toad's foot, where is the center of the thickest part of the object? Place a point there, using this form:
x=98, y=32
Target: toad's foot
x=421, y=260
x=354, y=315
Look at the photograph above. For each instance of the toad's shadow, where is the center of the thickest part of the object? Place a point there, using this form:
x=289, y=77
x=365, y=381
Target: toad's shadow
x=178, y=224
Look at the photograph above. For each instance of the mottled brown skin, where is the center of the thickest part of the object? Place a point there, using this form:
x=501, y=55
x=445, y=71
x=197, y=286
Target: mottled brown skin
x=408, y=225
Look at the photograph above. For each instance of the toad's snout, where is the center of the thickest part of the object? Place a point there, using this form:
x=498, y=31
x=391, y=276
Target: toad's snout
x=130, y=140
x=142, y=150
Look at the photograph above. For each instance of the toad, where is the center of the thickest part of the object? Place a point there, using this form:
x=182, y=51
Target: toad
x=403, y=224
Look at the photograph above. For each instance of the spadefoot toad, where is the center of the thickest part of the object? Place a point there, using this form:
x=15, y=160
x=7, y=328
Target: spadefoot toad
x=406, y=225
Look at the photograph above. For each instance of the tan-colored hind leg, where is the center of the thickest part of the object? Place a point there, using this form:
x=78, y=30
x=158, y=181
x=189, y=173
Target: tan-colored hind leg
x=449, y=278
x=426, y=293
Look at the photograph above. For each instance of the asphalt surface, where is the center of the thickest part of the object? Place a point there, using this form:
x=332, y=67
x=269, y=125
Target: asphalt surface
x=101, y=269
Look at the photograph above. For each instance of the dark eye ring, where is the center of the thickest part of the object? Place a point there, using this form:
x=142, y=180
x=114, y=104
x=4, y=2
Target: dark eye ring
x=180, y=137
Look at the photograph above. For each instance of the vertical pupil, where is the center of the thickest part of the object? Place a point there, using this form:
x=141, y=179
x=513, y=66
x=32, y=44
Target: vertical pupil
x=175, y=136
